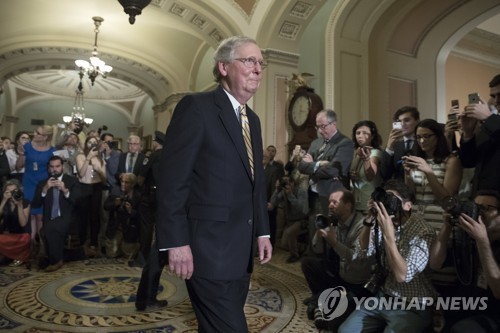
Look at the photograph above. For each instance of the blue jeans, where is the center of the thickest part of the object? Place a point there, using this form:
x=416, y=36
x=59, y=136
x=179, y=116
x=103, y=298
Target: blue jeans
x=387, y=321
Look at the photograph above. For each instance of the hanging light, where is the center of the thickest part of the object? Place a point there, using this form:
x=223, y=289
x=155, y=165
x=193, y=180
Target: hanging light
x=133, y=8
x=78, y=107
x=96, y=66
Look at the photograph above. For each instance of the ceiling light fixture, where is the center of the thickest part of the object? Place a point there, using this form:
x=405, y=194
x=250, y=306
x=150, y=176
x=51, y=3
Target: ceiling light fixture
x=96, y=66
x=78, y=107
x=133, y=8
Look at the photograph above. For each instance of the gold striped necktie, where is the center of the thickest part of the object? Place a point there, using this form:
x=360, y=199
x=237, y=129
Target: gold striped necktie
x=245, y=128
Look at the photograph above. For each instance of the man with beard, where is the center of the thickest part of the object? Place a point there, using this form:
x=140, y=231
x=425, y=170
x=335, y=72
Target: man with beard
x=337, y=268
x=57, y=195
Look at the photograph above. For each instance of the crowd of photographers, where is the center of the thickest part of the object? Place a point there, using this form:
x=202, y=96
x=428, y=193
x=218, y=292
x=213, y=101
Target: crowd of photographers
x=416, y=221
x=97, y=199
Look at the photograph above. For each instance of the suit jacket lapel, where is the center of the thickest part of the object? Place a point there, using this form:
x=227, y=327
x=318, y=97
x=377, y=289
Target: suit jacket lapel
x=331, y=143
x=233, y=126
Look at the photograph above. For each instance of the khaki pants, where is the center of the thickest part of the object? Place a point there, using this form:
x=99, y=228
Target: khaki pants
x=116, y=247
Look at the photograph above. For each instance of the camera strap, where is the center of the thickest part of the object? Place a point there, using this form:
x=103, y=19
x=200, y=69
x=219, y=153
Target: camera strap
x=343, y=235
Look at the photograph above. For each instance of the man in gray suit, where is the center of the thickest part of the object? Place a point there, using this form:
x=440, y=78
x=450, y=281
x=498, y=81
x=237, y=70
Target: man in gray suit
x=327, y=162
x=211, y=190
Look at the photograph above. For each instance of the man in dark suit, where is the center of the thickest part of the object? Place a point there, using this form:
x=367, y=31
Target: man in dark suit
x=211, y=195
x=153, y=264
x=132, y=160
x=273, y=172
x=479, y=145
x=401, y=142
x=327, y=163
x=57, y=195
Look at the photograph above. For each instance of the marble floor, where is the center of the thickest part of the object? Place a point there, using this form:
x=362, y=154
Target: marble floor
x=98, y=295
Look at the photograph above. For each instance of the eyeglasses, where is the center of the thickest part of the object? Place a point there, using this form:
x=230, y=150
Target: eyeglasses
x=252, y=62
x=36, y=132
x=134, y=143
x=322, y=127
x=24, y=138
x=424, y=137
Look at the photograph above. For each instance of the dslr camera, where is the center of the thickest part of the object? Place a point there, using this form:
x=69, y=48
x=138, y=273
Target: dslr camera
x=124, y=200
x=455, y=207
x=17, y=195
x=323, y=221
x=282, y=183
x=376, y=281
x=391, y=203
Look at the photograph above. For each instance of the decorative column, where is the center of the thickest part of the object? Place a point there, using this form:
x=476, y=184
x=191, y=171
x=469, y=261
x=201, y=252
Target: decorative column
x=163, y=112
x=8, y=126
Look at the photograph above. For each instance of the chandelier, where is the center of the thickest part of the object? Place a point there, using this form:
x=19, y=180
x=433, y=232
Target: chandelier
x=96, y=66
x=133, y=8
x=78, y=107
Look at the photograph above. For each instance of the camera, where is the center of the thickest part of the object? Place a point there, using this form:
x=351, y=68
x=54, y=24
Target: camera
x=455, y=207
x=391, y=203
x=376, y=280
x=282, y=183
x=323, y=222
x=112, y=144
x=124, y=199
x=17, y=195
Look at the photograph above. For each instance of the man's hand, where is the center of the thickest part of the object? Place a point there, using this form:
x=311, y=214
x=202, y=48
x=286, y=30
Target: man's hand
x=475, y=229
x=180, y=261
x=479, y=111
x=394, y=135
x=384, y=221
x=265, y=249
x=308, y=158
x=329, y=234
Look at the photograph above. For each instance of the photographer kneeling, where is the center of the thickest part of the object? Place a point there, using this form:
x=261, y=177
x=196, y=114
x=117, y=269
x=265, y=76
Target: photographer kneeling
x=294, y=199
x=475, y=228
x=337, y=267
x=122, y=231
x=400, y=241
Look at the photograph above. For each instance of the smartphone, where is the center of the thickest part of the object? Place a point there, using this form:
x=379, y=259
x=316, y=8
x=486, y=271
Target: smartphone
x=397, y=125
x=452, y=116
x=474, y=98
x=454, y=103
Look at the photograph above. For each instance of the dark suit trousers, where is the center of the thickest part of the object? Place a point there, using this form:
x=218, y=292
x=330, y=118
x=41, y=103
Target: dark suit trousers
x=55, y=232
x=150, y=277
x=218, y=305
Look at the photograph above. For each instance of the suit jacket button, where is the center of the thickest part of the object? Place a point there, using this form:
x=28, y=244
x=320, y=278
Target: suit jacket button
x=249, y=221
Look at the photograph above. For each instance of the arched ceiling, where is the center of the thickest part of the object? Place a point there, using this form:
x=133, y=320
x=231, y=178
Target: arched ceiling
x=158, y=55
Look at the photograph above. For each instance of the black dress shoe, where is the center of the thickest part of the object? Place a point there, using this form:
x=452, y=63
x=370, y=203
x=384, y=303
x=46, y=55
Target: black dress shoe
x=140, y=306
x=156, y=304
x=150, y=305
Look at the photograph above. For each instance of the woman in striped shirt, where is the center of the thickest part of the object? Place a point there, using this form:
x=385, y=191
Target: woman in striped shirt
x=434, y=172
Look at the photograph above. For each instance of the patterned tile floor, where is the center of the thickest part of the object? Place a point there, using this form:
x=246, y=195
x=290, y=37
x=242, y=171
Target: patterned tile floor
x=98, y=296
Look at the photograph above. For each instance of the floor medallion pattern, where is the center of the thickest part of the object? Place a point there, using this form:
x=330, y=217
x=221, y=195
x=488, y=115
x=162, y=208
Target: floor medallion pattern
x=99, y=295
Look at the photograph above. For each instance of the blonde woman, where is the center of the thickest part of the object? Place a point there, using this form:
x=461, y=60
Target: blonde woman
x=34, y=156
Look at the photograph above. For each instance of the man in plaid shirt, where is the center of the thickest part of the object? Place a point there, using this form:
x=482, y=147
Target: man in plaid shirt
x=401, y=243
